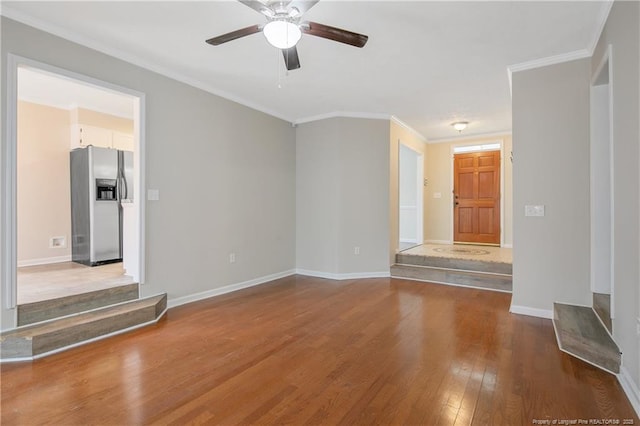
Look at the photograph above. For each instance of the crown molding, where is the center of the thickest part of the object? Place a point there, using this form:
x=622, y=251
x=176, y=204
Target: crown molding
x=409, y=128
x=602, y=20
x=473, y=137
x=543, y=62
x=134, y=60
x=342, y=114
x=549, y=60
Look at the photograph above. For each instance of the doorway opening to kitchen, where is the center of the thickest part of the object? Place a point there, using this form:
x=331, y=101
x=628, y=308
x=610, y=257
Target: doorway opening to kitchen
x=75, y=175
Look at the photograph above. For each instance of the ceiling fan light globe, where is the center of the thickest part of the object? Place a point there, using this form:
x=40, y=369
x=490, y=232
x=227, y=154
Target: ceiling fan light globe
x=282, y=34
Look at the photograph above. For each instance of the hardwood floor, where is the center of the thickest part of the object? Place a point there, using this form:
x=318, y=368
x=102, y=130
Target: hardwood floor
x=306, y=350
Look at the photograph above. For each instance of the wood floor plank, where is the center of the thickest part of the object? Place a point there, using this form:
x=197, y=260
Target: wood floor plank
x=304, y=350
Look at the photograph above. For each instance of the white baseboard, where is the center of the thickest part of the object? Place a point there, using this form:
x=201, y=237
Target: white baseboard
x=172, y=303
x=507, y=246
x=438, y=242
x=532, y=312
x=630, y=388
x=44, y=261
x=345, y=276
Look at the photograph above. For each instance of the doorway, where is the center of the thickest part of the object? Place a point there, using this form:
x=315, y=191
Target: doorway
x=410, y=196
x=53, y=111
x=476, y=196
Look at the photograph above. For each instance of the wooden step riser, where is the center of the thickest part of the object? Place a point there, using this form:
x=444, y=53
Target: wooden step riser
x=445, y=276
x=451, y=263
x=31, y=313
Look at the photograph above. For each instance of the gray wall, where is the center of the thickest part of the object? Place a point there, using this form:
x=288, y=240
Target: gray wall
x=342, y=196
x=551, y=167
x=622, y=31
x=226, y=173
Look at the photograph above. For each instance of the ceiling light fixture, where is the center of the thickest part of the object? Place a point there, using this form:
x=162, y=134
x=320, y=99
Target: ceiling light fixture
x=460, y=125
x=282, y=34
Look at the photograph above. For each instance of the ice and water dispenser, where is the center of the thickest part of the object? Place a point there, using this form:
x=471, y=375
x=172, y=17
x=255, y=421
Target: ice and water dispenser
x=106, y=190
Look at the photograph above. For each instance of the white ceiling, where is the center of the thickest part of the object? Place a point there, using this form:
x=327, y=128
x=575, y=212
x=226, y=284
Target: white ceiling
x=427, y=63
x=43, y=88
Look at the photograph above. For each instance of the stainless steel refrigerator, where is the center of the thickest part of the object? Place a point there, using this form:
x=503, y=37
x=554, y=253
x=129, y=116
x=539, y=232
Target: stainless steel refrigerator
x=101, y=179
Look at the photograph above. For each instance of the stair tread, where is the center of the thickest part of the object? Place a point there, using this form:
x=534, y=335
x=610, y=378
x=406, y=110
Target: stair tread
x=581, y=333
x=82, y=318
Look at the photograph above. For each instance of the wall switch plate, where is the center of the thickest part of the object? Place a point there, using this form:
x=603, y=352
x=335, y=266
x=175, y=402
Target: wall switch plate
x=232, y=258
x=153, y=194
x=356, y=250
x=437, y=195
x=534, y=210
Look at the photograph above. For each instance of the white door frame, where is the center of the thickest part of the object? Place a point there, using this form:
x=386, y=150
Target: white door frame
x=9, y=193
x=419, y=193
x=606, y=60
x=451, y=180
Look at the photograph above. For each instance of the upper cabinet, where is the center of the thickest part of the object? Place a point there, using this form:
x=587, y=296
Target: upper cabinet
x=84, y=135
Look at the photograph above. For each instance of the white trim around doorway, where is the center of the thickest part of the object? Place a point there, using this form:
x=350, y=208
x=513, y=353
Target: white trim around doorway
x=9, y=193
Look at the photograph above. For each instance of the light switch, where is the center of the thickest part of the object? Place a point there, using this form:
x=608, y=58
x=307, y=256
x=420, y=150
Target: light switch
x=534, y=210
x=437, y=195
x=153, y=194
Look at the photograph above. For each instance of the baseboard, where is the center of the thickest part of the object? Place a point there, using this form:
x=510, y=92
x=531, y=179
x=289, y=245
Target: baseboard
x=507, y=246
x=630, y=388
x=345, y=276
x=438, y=242
x=532, y=312
x=44, y=261
x=172, y=303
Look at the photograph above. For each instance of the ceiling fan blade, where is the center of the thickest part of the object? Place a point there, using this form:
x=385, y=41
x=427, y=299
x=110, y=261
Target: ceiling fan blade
x=233, y=35
x=302, y=5
x=291, y=59
x=335, y=34
x=258, y=6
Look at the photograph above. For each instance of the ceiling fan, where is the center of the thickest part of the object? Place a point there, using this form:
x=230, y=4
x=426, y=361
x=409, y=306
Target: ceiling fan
x=284, y=28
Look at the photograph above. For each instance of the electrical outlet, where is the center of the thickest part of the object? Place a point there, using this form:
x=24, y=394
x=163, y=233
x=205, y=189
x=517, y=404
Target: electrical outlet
x=58, y=242
x=356, y=250
x=232, y=258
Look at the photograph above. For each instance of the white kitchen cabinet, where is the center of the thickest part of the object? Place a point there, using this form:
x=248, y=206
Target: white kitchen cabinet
x=84, y=135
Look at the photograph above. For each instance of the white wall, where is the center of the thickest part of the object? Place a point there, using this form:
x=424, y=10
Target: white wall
x=43, y=192
x=622, y=32
x=551, y=168
x=226, y=174
x=342, y=197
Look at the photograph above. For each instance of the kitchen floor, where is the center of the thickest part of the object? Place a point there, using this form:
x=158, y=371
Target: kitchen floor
x=463, y=251
x=44, y=282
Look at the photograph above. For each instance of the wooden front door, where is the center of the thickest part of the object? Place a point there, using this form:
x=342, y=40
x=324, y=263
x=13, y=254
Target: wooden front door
x=476, y=192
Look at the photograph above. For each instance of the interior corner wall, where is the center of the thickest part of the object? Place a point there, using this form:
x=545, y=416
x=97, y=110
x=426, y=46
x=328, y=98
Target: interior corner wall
x=551, y=254
x=439, y=174
x=225, y=172
x=342, y=187
x=622, y=33
x=400, y=134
